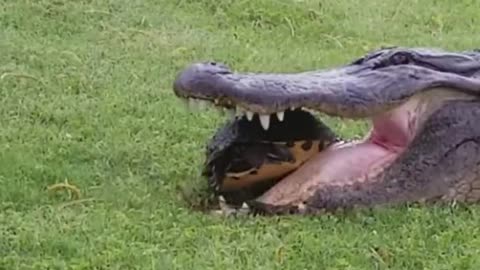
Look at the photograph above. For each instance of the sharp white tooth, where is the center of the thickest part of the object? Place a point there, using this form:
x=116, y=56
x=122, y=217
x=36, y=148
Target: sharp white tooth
x=224, y=207
x=244, y=210
x=222, y=203
x=250, y=115
x=280, y=116
x=265, y=121
x=307, y=110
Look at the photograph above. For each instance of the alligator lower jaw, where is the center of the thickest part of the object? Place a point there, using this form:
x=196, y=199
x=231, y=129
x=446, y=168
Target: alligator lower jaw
x=352, y=162
x=348, y=163
x=341, y=164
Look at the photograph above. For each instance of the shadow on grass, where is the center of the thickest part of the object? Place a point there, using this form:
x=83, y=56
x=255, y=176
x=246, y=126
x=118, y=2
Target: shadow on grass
x=197, y=196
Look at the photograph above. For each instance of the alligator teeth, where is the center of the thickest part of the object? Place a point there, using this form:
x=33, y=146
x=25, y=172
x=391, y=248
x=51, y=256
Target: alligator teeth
x=280, y=116
x=231, y=211
x=250, y=115
x=244, y=209
x=221, y=200
x=224, y=207
x=308, y=110
x=265, y=121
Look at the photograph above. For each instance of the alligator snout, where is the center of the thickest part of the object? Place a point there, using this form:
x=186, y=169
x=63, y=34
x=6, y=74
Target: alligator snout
x=199, y=76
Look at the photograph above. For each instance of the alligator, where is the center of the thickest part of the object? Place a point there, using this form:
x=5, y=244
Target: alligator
x=275, y=156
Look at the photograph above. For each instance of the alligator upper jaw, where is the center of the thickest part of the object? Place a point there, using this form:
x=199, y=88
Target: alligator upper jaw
x=365, y=88
x=338, y=162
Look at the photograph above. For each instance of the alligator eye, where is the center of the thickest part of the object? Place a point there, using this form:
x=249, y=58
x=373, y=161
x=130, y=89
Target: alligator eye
x=400, y=58
x=216, y=67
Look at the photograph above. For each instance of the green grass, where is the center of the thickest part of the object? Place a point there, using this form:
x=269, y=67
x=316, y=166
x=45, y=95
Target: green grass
x=85, y=92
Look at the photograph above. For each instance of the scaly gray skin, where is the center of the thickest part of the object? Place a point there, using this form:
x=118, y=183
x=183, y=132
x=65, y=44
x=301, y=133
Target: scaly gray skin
x=439, y=165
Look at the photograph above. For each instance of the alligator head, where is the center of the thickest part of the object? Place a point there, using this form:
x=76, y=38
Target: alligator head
x=277, y=155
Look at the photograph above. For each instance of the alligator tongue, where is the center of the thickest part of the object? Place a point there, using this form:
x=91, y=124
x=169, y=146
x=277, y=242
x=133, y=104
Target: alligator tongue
x=343, y=163
x=347, y=163
x=340, y=164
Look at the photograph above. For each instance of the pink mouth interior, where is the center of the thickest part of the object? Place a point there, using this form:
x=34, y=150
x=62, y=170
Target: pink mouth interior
x=345, y=163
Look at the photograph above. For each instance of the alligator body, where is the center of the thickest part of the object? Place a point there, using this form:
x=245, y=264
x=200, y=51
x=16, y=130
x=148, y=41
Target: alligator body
x=278, y=157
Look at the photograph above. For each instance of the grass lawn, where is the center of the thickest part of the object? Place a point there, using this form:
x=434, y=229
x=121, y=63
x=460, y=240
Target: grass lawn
x=86, y=98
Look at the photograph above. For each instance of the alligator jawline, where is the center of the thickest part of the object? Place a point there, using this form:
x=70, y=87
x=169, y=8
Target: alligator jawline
x=345, y=163
x=359, y=161
x=339, y=164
